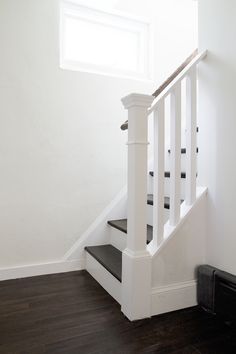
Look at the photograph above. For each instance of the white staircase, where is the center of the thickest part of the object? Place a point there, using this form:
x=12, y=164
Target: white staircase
x=147, y=264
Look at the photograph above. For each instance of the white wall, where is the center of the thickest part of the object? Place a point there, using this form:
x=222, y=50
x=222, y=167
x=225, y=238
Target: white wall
x=217, y=169
x=63, y=157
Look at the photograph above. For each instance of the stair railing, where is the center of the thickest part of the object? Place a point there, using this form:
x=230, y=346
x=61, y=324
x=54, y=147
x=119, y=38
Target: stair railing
x=160, y=89
x=136, y=261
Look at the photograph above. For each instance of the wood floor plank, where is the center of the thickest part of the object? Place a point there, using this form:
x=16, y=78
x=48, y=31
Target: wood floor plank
x=71, y=313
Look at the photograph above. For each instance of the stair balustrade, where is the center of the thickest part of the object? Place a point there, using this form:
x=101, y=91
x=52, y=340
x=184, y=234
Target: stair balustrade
x=136, y=258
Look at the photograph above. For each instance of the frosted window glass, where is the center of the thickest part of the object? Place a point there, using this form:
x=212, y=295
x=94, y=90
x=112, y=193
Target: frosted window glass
x=101, y=42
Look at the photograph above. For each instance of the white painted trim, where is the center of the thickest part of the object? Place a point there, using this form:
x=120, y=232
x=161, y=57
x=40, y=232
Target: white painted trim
x=175, y=158
x=158, y=168
x=136, y=254
x=101, y=7
x=191, y=136
x=31, y=270
x=137, y=100
x=103, y=277
x=136, y=285
x=137, y=143
x=173, y=297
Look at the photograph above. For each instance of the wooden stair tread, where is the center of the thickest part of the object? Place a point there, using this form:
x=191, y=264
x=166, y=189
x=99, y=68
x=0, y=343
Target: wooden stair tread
x=109, y=257
x=121, y=225
x=183, y=150
x=166, y=201
x=167, y=174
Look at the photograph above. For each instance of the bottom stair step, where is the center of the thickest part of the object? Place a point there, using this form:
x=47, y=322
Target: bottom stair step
x=109, y=257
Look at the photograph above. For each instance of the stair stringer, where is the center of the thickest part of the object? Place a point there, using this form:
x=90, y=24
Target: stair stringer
x=174, y=262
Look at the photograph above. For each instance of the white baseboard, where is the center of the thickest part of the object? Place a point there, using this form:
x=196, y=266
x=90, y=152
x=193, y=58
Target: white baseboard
x=173, y=297
x=32, y=270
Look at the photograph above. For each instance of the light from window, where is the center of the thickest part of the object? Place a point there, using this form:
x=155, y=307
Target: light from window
x=101, y=42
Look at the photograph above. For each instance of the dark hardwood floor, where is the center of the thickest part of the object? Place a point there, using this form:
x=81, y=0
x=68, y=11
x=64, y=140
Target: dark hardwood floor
x=70, y=313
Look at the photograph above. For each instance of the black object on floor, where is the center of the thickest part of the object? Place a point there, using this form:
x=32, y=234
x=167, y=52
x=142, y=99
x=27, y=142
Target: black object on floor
x=216, y=291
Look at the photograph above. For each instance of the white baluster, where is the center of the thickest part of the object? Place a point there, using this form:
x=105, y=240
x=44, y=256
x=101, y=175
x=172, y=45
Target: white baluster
x=191, y=126
x=136, y=260
x=158, y=179
x=175, y=154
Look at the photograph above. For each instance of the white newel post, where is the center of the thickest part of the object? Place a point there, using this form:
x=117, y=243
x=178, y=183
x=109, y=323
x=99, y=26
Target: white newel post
x=136, y=260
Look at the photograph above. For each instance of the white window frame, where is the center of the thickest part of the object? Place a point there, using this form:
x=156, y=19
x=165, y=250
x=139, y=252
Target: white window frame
x=123, y=22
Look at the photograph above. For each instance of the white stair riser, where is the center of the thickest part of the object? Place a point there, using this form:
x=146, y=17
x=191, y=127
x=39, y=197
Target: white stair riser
x=103, y=277
x=182, y=187
x=183, y=162
x=150, y=185
x=167, y=187
x=118, y=238
x=150, y=215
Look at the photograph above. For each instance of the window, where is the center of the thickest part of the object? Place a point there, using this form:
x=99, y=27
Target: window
x=100, y=42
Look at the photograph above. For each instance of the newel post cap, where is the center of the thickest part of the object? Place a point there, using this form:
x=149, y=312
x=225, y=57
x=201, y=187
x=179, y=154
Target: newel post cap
x=137, y=99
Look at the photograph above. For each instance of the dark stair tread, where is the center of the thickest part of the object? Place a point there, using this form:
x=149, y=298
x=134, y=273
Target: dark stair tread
x=167, y=174
x=183, y=150
x=122, y=226
x=166, y=201
x=109, y=257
